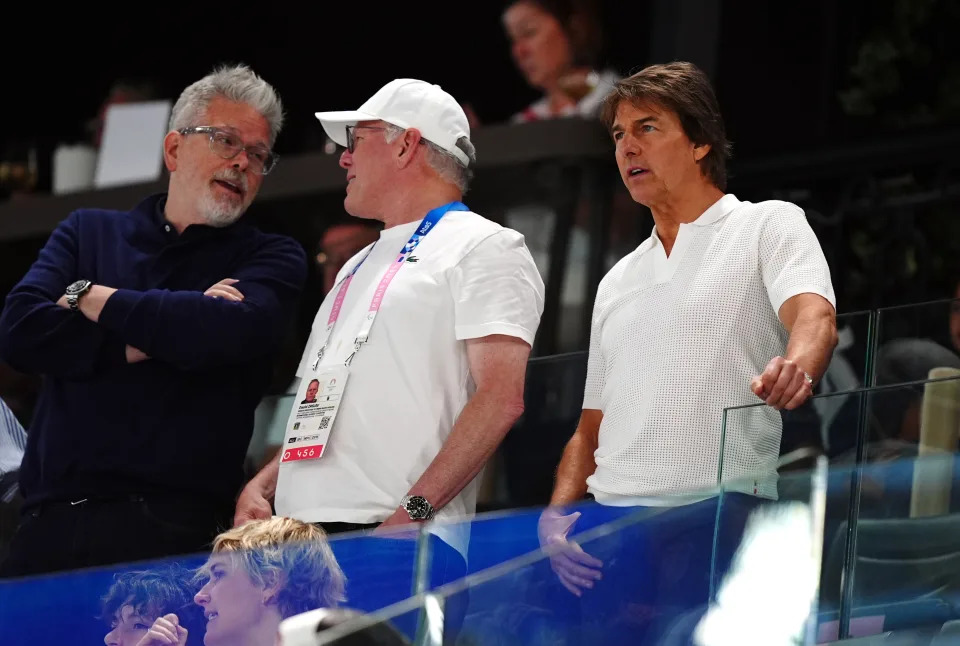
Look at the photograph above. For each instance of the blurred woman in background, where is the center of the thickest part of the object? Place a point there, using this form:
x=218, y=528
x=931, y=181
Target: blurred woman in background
x=556, y=45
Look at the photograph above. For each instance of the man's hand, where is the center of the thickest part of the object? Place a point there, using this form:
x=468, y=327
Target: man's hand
x=251, y=505
x=783, y=384
x=224, y=289
x=399, y=525
x=575, y=568
x=165, y=631
x=399, y=517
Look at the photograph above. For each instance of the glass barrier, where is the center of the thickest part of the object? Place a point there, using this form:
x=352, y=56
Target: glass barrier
x=856, y=331
x=640, y=577
x=380, y=569
x=904, y=553
x=68, y=607
x=899, y=479
x=655, y=566
x=849, y=368
x=749, y=463
x=725, y=568
x=913, y=339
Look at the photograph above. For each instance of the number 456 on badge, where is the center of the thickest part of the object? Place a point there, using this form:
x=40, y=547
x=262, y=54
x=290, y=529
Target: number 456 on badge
x=302, y=453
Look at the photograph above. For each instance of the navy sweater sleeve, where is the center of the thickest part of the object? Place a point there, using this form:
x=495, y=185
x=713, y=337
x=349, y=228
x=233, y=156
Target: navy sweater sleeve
x=196, y=332
x=39, y=336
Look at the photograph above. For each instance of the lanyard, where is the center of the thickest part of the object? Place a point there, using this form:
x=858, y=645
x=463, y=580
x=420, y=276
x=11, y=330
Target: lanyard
x=426, y=225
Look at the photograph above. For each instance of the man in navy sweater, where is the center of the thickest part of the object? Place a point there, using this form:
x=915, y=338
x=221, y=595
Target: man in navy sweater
x=155, y=331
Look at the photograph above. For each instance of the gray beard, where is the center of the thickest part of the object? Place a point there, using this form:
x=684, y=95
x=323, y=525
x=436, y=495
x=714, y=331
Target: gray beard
x=218, y=214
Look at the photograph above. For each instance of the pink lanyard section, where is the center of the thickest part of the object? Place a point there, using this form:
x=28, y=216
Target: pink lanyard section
x=426, y=225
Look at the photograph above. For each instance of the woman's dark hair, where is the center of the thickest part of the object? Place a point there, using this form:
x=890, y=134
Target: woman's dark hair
x=580, y=22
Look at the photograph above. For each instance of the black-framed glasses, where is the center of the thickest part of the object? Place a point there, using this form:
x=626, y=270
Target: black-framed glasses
x=228, y=145
x=352, y=138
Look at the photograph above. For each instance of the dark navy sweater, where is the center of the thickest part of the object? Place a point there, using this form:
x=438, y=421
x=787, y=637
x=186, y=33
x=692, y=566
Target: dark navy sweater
x=179, y=423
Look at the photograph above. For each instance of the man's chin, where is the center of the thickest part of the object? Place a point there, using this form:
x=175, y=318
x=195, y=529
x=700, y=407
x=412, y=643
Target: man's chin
x=222, y=219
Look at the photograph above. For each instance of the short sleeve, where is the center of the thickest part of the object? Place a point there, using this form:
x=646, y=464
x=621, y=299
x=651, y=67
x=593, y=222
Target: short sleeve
x=791, y=260
x=497, y=289
x=596, y=368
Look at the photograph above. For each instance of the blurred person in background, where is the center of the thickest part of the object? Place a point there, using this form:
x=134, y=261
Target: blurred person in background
x=340, y=242
x=155, y=331
x=137, y=599
x=258, y=575
x=556, y=45
x=13, y=442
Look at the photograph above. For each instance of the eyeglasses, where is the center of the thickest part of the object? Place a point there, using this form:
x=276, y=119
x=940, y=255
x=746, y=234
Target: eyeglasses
x=352, y=138
x=228, y=146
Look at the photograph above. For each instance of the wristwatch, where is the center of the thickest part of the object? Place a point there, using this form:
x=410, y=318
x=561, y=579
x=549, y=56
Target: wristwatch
x=418, y=508
x=75, y=290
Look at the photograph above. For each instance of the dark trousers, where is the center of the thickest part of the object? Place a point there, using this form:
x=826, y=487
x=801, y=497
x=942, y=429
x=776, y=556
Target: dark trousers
x=64, y=535
x=656, y=576
x=342, y=528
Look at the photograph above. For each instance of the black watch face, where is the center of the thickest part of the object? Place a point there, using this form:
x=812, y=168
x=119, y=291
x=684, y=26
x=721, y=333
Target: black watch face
x=418, y=507
x=76, y=286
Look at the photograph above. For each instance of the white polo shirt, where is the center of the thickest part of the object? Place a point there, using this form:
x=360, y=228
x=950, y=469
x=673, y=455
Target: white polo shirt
x=677, y=339
x=468, y=278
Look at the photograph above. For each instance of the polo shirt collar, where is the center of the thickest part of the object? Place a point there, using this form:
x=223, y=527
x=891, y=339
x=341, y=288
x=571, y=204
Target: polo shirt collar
x=714, y=213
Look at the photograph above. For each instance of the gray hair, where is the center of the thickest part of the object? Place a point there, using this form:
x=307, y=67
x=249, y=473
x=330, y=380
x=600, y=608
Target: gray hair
x=237, y=83
x=447, y=166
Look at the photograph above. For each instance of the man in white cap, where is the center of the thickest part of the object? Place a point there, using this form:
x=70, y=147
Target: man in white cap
x=431, y=325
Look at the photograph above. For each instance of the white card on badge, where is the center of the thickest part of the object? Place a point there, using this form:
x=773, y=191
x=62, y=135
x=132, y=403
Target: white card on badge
x=313, y=414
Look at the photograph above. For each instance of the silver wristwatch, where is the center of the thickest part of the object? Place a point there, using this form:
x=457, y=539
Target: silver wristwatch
x=417, y=507
x=75, y=290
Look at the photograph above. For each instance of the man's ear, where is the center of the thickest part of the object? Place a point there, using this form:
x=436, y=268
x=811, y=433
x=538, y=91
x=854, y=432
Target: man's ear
x=411, y=140
x=273, y=583
x=701, y=150
x=171, y=149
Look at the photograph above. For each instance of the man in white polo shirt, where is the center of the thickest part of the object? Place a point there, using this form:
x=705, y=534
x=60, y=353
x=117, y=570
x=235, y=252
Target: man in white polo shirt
x=726, y=302
x=432, y=326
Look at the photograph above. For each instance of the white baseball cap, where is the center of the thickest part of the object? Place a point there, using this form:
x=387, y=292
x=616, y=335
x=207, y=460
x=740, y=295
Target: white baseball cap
x=408, y=103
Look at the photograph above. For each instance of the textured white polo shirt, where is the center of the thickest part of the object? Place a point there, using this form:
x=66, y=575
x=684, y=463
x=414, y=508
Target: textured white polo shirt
x=677, y=339
x=468, y=278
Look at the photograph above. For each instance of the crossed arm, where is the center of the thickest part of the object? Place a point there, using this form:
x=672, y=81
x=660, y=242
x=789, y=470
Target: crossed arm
x=189, y=329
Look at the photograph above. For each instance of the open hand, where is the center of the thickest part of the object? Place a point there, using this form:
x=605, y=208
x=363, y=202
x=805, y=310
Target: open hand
x=575, y=568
